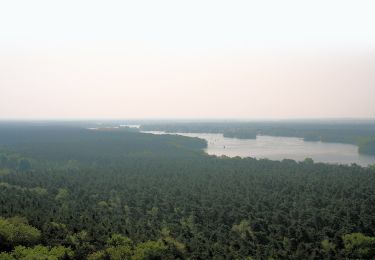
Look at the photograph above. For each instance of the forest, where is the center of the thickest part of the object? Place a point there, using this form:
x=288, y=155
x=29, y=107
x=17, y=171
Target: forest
x=360, y=133
x=67, y=192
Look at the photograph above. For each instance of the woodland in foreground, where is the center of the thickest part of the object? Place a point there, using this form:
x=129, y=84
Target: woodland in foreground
x=71, y=193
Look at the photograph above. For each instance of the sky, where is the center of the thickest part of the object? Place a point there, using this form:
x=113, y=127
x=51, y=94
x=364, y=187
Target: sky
x=187, y=59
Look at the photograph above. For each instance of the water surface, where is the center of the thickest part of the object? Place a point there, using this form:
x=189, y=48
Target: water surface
x=279, y=148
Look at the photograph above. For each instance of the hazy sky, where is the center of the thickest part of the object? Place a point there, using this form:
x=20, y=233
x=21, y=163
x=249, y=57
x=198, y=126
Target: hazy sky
x=187, y=59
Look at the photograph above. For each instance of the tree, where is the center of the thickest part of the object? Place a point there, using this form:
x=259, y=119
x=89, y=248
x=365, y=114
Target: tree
x=38, y=252
x=357, y=245
x=62, y=194
x=81, y=244
x=54, y=233
x=308, y=160
x=328, y=246
x=15, y=231
x=24, y=165
x=150, y=250
x=119, y=240
x=243, y=229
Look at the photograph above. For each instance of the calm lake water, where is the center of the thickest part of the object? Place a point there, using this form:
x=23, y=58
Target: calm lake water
x=278, y=148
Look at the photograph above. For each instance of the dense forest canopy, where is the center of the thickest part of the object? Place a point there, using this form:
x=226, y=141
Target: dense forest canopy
x=71, y=193
x=361, y=133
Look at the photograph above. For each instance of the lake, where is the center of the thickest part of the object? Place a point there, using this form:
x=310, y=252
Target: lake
x=279, y=148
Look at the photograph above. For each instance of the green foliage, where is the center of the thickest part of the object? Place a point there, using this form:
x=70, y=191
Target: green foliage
x=62, y=194
x=112, y=253
x=54, y=233
x=138, y=196
x=71, y=148
x=24, y=165
x=39, y=190
x=120, y=247
x=308, y=161
x=14, y=161
x=328, y=246
x=367, y=147
x=4, y=171
x=119, y=240
x=119, y=252
x=243, y=229
x=175, y=249
x=6, y=256
x=357, y=245
x=81, y=243
x=38, y=252
x=150, y=250
x=15, y=231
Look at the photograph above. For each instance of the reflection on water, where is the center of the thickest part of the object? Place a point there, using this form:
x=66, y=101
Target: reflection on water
x=278, y=148
x=131, y=126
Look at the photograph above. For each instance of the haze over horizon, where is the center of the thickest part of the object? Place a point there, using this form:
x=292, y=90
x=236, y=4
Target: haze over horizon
x=200, y=59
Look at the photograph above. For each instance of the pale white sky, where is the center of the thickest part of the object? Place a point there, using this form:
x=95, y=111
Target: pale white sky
x=187, y=59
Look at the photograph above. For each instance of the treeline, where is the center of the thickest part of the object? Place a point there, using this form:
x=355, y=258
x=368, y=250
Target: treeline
x=19, y=240
x=173, y=202
x=361, y=134
x=63, y=143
